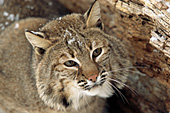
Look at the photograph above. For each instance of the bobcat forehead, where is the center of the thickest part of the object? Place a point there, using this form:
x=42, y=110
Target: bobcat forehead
x=64, y=27
x=67, y=33
x=71, y=40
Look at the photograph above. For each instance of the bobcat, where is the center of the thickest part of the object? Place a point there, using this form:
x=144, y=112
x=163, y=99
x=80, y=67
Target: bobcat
x=72, y=68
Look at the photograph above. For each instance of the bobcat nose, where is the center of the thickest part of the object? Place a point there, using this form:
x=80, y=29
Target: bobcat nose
x=93, y=77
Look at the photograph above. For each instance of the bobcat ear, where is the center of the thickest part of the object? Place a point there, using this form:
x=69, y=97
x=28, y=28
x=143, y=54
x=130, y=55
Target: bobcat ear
x=93, y=16
x=37, y=40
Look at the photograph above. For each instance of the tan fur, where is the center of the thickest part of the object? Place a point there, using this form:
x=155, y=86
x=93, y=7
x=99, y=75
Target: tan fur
x=38, y=81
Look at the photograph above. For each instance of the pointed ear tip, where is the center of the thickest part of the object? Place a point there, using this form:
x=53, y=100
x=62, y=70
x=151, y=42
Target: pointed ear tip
x=96, y=5
x=96, y=2
x=28, y=34
x=26, y=30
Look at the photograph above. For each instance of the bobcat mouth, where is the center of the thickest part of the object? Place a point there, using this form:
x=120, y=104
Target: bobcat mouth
x=91, y=87
x=97, y=84
x=102, y=87
x=88, y=85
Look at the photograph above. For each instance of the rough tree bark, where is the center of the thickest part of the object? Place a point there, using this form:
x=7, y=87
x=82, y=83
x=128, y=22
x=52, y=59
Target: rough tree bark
x=145, y=27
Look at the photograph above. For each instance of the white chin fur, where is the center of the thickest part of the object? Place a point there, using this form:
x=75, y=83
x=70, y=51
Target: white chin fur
x=76, y=93
x=106, y=91
x=103, y=91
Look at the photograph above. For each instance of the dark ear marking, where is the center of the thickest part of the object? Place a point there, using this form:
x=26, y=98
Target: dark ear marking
x=39, y=51
x=65, y=102
x=39, y=35
x=48, y=91
x=99, y=24
x=88, y=13
x=35, y=33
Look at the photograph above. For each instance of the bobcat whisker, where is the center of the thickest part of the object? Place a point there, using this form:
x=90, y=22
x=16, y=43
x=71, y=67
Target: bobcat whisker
x=126, y=68
x=119, y=92
x=103, y=79
x=77, y=99
x=87, y=87
x=131, y=89
x=85, y=100
x=110, y=86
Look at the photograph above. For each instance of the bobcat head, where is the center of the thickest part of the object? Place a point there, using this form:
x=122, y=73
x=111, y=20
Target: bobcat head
x=76, y=59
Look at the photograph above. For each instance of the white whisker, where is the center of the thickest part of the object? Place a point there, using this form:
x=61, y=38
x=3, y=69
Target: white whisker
x=110, y=86
x=78, y=98
x=121, y=95
x=131, y=89
x=137, y=72
x=126, y=68
x=86, y=101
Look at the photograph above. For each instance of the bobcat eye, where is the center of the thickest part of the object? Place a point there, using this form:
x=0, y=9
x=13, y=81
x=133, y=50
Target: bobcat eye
x=70, y=63
x=97, y=52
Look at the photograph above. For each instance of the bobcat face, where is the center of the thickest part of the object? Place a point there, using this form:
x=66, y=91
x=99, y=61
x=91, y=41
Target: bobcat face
x=75, y=68
x=74, y=60
x=84, y=60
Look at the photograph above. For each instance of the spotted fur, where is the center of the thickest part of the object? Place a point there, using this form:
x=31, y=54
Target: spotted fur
x=75, y=49
x=75, y=64
x=76, y=40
